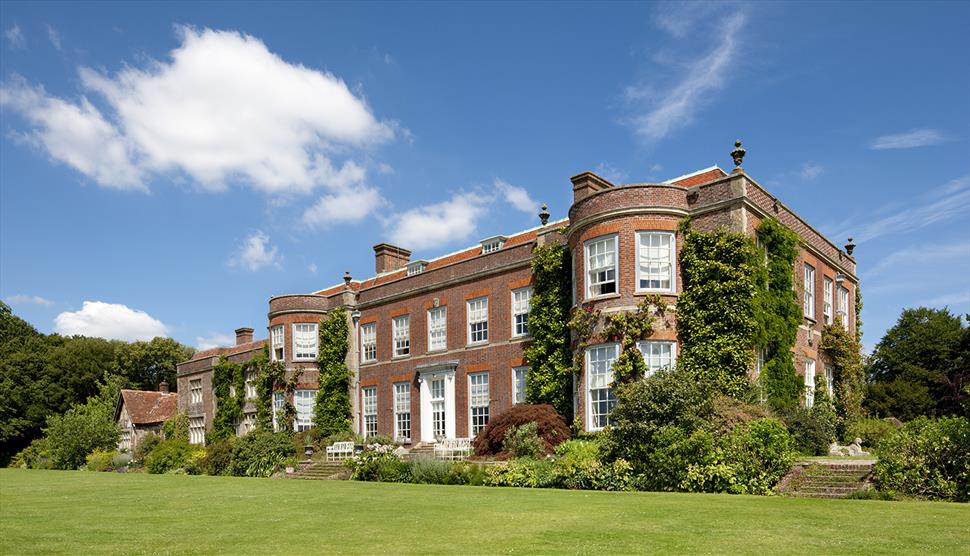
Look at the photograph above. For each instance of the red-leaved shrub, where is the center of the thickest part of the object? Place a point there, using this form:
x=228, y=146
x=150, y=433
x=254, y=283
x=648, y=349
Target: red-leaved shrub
x=552, y=428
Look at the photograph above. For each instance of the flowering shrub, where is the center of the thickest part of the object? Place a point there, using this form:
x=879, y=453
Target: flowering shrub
x=378, y=463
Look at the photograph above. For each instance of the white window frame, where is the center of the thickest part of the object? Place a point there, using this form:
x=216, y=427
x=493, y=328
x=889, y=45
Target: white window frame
x=368, y=342
x=438, y=329
x=277, y=343
x=368, y=410
x=402, y=411
x=671, y=261
x=611, y=239
x=843, y=307
x=809, y=377
x=300, y=328
x=654, y=361
x=829, y=380
x=521, y=308
x=249, y=423
x=195, y=391
x=251, y=377
x=478, y=402
x=305, y=400
x=520, y=378
x=827, y=299
x=477, y=316
x=808, y=300
x=279, y=400
x=401, y=336
x=604, y=383
x=491, y=246
x=197, y=429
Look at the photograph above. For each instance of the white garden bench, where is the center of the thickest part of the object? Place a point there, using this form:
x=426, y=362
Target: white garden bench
x=453, y=448
x=340, y=451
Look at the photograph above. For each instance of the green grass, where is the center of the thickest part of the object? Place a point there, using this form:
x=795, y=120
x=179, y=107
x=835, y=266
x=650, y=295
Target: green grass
x=82, y=513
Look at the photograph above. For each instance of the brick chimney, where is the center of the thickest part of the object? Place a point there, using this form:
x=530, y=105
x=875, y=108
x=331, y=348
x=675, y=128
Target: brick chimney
x=244, y=336
x=389, y=257
x=586, y=184
x=163, y=387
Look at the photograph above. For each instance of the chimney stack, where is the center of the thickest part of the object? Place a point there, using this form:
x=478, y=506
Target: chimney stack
x=587, y=183
x=389, y=257
x=163, y=387
x=244, y=336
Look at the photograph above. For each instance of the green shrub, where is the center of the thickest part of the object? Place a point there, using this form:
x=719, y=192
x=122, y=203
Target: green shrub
x=81, y=430
x=813, y=431
x=379, y=439
x=466, y=473
x=871, y=494
x=120, y=460
x=176, y=427
x=169, y=455
x=260, y=453
x=870, y=431
x=218, y=457
x=928, y=458
x=145, y=447
x=379, y=464
x=674, y=452
x=99, y=460
x=729, y=413
x=578, y=465
x=427, y=470
x=525, y=472
x=35, y=456
x=523, y=441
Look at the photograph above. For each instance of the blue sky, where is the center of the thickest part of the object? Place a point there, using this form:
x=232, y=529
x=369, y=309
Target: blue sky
x=166, y=168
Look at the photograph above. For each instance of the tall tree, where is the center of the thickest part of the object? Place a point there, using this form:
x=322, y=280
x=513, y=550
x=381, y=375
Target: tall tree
x=147, y=364
x=920, y=367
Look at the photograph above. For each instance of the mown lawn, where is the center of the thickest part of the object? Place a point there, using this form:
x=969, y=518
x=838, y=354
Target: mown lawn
x=66, y=512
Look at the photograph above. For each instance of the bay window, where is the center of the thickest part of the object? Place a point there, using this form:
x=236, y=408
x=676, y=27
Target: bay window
x=601, y=266
x=655, y=261
x=304, y=342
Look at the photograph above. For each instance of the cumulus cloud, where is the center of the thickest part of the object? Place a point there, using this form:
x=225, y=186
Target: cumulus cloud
x=214, y=340
x=351, y=205
x=439, y=224
x=22, y=299
x=907, y=140
x=109, y=320
x=15, y=38
x=222, y=108
x=661, y=112
x=256, y=253
x=516, y=196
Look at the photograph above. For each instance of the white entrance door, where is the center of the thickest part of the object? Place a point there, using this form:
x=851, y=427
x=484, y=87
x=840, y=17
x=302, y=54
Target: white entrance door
x=437, y=406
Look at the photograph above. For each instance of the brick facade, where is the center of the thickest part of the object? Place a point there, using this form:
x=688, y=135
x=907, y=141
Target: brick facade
x=713, y=199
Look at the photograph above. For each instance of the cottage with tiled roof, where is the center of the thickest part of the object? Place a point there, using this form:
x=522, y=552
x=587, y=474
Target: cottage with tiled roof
x=140, y=412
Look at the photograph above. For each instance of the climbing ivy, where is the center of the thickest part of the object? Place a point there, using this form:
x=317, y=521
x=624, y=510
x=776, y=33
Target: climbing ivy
x=720, y=272
x=270, y=377
x=858, y=314
x=549, y=355
x=229, y=387
x=777, y=315
x=331, y=415
x=845, y=353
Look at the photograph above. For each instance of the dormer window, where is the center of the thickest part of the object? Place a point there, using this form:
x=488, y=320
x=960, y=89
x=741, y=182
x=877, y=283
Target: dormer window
x=417, y=267
x=492, y=244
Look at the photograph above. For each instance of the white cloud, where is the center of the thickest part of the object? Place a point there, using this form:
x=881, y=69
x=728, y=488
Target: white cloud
x=516, y=196
x=312, y=267
x=256, y=253
x=908, y=140
x=676, y=107
x=351, y=205
x=940, y=204
x=22, y=299
x=54, y=37
x=612, y=174
x=214, y=340
x=223, y=108
x=75, y=134
x=109, y=320
x=439, y=224
x=678, y=18
x=15, y=38
x=810, y=171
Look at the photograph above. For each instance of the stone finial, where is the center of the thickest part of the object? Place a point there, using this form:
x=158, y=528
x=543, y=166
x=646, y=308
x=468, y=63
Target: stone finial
x=850, y=246
x=544, y=215
x=738, y=154
x=347, y=279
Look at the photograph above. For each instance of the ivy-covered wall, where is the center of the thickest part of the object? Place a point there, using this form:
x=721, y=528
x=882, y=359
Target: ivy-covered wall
x=777, y=315
x=332, y=409
x=550, y=358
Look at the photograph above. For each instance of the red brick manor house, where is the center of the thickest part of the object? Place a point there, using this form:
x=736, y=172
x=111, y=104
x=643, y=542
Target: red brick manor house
x=437, y=346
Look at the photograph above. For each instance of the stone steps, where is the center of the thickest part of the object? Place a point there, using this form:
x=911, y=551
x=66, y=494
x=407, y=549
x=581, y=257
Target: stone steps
x=322, y=470
x=826, y=479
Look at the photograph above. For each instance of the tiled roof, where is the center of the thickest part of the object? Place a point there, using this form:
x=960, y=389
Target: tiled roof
x=231, y=350
x=699, y=177
x=145, y=408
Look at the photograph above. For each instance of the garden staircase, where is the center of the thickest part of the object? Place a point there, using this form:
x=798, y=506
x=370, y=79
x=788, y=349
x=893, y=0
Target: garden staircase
x=421, y=450
x=322, y=470
x=826, y=479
